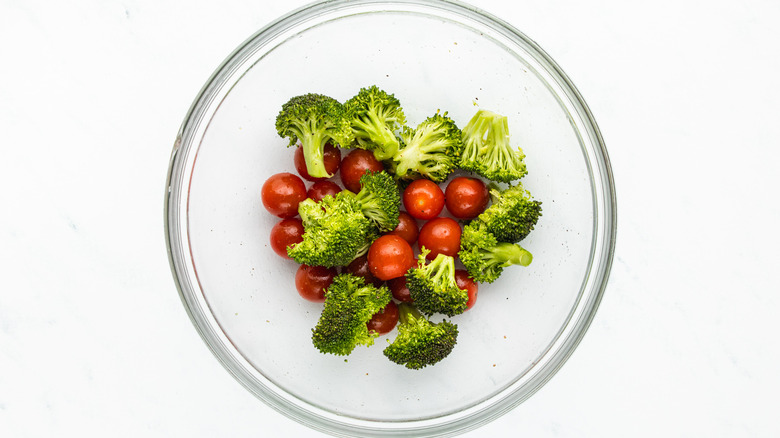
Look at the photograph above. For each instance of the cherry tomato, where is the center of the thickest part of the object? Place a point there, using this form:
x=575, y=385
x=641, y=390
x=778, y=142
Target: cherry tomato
x=331, y=157
x=398, y=288
x=390, y=256
x=355, y=164
x=464, y=281
x=284, y=234
x=311, y=281
x=407, y=227
x=281, y=194
x=466, y=198
x=320, y=189
x=359, y=268
x=441, y=236
x=423, y=199
x=384, y=321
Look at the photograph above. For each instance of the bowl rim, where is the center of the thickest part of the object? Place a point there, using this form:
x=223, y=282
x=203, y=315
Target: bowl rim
x=301, y=411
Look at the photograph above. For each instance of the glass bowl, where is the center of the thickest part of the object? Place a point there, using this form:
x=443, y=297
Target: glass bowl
x=433, y=55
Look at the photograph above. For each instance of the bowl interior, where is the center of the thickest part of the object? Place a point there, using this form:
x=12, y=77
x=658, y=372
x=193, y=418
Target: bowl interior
x=431, y=60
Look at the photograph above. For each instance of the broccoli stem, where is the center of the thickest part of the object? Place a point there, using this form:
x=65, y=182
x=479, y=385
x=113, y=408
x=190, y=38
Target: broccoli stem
x=314, y=154
x=476, y=129
x=443, y=267
x=388, y=143
x=500, y=131
x=511, y=254
x=406, y=312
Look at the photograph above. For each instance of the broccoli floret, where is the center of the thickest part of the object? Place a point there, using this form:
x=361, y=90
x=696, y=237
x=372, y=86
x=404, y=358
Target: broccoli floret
x=432, y=150
x=487, y=150
x=349, y=305
x=484, y=257
x=375, y=116
x=379, y=199
x=340, y=228
x=335, y=232
x=420, y=342
x=474, y=134
x=315, y=120
x=433, y=287
x=512, y=215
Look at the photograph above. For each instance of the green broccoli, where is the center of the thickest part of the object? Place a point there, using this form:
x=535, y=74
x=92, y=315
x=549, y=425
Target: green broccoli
x=349, y=305
x=420, y=342
x=484, y=257
x=433, y=287
x=375, y=116
x=432, y=150
x=379, y=199
x=474, y=135
x=512, y=215
x=315, y=120
x=335, y=232
x=487, y=151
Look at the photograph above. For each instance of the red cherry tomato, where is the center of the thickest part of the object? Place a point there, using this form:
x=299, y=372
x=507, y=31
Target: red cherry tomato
x=398, y=288
x=359, y=268
x=331, y=157
x=320, y=189
x=311, y=281
x=390, y=256
x=423, y=199
x=281, y=194
x=384, y=321
x=465, y=282
x=354, y=165
x=284, y=234
x=407, y=227
x=466, y=198
x=440, y=236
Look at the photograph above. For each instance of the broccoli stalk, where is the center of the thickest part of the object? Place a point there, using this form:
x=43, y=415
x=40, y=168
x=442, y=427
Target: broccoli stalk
x=374, y=117
x=512, y=215
x=315, y=120
x=379, y=199
x=433, y=287
x=349, y=305
x=487, y=150
x=484, y=257
x=474, y=134
x=420, y=342
x=432, y=150
x=335, y=232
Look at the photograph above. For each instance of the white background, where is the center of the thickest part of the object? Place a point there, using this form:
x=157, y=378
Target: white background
x=94, y=340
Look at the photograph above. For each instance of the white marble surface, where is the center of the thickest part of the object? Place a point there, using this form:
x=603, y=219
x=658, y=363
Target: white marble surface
x=93, y=337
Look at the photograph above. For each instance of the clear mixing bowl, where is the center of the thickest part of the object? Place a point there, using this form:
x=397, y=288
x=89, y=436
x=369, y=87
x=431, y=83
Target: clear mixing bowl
x=432, y=55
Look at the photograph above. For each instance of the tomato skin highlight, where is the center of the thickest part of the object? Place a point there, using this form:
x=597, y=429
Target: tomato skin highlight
x=399, y=289
x=389, y=257
x=285, y=233
x=311, y=282
x=466, y=198
x=384, y=321
x=464, y=281
x=407, y=228
x=354, y=165
x=423, y=199
x=359, y=268
x=440, y=236
x=331, y=158
x=281, y=194
x=320, y=189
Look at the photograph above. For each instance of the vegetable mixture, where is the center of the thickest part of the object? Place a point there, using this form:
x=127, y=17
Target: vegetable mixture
x=355, y=245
